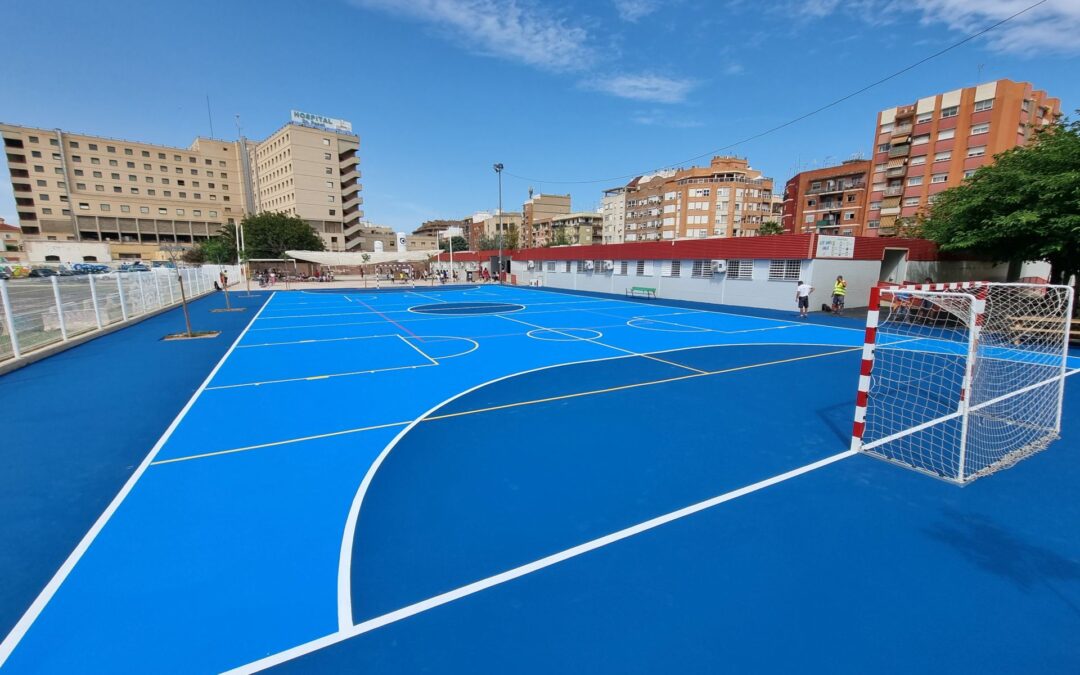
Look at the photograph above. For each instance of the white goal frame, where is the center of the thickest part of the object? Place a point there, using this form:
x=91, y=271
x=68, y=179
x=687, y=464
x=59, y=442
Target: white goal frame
x=1002, y=351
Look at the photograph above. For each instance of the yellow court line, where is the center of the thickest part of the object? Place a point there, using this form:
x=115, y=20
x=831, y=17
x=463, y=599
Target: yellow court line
x=518, y=404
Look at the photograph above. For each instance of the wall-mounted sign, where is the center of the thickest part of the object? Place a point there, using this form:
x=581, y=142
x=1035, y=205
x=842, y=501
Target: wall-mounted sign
x=831, y=246
x=320, y=122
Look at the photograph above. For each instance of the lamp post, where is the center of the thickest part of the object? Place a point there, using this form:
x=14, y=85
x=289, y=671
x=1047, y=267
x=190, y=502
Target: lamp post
x=498, y=172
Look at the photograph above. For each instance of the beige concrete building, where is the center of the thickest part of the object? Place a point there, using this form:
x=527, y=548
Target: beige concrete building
x=138, y=196
x=13, y=246
x=75, y=187
x=312, y=173
x=486, y=225
x=538, y=210
x=613, y=210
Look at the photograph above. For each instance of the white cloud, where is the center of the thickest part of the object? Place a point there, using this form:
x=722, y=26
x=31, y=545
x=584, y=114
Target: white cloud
x=510, y=29
x=633, y=10
x=643, y=87
x=1050, y=27
x=733, y=68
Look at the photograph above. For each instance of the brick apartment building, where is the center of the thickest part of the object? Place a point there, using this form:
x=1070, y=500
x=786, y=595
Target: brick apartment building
x=831, y=200
x=933, y=144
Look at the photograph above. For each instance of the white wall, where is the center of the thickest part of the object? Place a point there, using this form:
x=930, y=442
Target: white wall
x=757, y=292
x=860, y=275
x=68, y=251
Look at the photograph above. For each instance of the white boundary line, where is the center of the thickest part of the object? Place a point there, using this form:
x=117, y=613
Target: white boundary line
x=418, y=350
x=475, y=344
x=535, y=566
x=564, y=332
x=304, y=342
x=695, y=329
x=16, y=635
x=327, y=376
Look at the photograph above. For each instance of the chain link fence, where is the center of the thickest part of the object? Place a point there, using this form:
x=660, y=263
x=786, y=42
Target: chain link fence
x=39, y=312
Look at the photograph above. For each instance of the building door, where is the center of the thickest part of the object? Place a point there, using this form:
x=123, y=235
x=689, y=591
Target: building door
x=894, y=266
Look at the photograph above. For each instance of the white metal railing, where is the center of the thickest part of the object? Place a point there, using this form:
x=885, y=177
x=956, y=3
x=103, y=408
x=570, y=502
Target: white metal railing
x=40, y=312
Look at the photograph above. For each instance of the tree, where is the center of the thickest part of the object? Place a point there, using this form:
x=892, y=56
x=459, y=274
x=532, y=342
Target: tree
x=269, y=235
x=770, y=228
x=460, y=243
x=1024, y=206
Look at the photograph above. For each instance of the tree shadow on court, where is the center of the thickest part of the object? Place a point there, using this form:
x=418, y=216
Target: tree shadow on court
x=998, y=551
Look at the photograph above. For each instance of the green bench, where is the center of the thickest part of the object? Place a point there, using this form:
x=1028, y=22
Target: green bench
x=641, y=290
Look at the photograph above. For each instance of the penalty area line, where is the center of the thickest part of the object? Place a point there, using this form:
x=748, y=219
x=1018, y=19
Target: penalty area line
x=529, y=568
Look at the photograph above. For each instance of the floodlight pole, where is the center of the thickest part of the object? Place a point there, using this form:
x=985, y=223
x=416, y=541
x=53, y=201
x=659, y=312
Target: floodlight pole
x=498, y=172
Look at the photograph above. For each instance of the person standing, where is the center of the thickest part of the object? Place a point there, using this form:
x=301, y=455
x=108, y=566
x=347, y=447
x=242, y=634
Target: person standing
x=839, y=292
x=802, y=298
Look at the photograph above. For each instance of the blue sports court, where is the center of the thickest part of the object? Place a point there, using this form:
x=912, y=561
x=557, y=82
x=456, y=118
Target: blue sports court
x=500, y=479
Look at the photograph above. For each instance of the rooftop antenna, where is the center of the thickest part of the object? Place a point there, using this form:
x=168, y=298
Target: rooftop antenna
x=209, y=116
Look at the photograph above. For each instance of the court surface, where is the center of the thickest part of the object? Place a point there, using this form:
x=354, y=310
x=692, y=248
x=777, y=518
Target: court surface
x=492, y=479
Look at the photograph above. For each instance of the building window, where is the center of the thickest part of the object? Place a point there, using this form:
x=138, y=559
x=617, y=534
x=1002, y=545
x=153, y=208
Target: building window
x=969, y=173
x=196, y=212
x=740, y=269
x=782, y=270
x=884, y=147
x=330, y=198
x=179, y=212
x=924, y=117
x=911, y=201
x=329, y=171
x=144, y=209
x=984, y=105
x=640, y=269
x=946, y=134
x=326, y=156
x=567, y=269
x=951, y=111
x=124, y=208
x=914, y=180
x=977, y=151
x=105, y=207
x=921, y=139
x=943, y=156
x=671, y=268
x=916, y=161
x=939, y=178
x=701, y=269
x=326, y=141
x=128, y=151
x=84, y=206
x=980, y=129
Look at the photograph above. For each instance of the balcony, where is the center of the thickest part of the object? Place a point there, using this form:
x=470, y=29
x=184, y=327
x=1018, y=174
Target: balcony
x=16, y=159
x=22, y=187
x=896, y=172
x=901, y=130
x=900, y=150
x=894, y=191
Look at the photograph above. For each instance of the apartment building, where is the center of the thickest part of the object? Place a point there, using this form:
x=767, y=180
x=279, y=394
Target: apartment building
x=77, y=187
x=486, y=225
x=933, y=144
x=436, y=227
x=139, y=196
x=728, y=198
x=311, y=172
x=537, y=212
x=613, y=211
x=831, y=200
x=13, y=247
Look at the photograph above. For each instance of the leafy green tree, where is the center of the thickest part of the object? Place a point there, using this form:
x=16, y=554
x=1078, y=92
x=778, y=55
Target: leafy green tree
x=1024, y=206
x=460, y=243
x=218, y=250
x=770, y=228
x=269, y=235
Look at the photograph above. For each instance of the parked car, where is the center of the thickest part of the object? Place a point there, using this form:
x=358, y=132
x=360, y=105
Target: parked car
x=4, y=274
x=42, y=272
x=133, y=267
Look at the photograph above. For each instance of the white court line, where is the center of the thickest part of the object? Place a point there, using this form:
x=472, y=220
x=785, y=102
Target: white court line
x=327, y=376
x=47, y=593
x=535, y=566
x=475, y=344
x=418, y=350
x=602, y=344
x=304, y=342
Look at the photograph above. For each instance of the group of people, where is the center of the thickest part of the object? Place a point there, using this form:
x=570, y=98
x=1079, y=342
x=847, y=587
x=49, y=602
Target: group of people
x=839, y=294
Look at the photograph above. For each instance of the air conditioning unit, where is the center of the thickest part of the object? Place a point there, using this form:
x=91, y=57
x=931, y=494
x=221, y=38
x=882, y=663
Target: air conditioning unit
x=532, y=264
x=719, y=266
x=609, y=265
x=589, y=265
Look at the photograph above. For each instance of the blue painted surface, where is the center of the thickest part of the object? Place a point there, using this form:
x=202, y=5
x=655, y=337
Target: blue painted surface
x=227, y=549
x=79, y=422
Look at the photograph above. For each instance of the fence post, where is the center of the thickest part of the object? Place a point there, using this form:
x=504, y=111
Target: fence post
x=59, y=308
x=94, y=299
x=142, y=294
x=9, y=318
x=120, y=290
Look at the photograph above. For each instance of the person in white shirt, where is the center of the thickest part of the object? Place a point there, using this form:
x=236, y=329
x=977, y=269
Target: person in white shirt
x=802, y=298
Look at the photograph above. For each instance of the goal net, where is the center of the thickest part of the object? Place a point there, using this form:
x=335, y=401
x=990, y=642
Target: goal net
x=962, y=380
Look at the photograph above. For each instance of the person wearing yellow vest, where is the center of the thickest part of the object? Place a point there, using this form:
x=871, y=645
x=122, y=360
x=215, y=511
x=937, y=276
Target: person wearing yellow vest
x=838, y=292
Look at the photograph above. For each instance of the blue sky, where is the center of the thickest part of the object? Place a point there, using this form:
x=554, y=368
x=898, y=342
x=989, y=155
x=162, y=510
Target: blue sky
x=439, y=90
